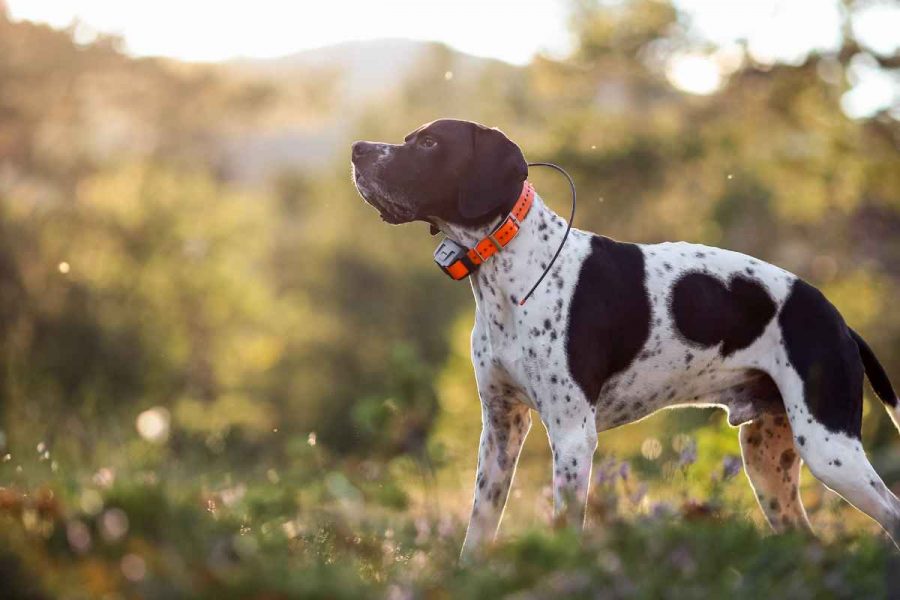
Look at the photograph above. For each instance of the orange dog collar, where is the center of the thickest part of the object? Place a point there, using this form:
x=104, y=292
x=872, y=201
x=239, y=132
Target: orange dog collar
x=458, y=262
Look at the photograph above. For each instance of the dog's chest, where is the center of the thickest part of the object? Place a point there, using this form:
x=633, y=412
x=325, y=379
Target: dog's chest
x=527, y=352
x=527, y=343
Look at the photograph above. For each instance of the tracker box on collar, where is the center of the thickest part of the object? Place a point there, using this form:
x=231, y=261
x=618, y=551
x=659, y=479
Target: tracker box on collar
x=450, y=252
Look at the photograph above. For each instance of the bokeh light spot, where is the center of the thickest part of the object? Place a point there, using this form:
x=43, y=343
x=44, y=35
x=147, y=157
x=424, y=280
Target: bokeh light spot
x=113, y=524
x=651, y=448
x=153, y=424
x=133, y=567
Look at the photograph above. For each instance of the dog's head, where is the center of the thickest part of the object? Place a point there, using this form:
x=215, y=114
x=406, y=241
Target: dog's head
x=455, y=171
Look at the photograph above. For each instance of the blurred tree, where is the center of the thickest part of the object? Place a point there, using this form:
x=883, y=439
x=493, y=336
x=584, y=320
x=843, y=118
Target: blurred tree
x=282, y=305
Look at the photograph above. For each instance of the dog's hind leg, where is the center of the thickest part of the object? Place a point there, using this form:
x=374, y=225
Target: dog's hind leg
x=772, y=465
x=837, y=459
x=820, y=378
x=505, y=424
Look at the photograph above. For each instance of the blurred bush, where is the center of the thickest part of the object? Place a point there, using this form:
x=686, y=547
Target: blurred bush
x=138, y=268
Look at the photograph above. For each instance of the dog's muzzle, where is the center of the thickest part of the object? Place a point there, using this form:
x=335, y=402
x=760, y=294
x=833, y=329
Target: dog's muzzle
x=368, y=160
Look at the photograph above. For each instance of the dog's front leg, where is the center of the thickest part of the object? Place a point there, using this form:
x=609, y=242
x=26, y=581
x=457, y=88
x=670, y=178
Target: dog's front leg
x=573, y=440
x=505, y=423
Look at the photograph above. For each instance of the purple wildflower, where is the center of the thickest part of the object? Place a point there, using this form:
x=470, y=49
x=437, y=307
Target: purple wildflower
x=731, y=466
x=688, y=455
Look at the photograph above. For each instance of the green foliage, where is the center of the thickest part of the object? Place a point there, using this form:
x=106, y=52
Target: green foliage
x=244, y=307
x=249, y=545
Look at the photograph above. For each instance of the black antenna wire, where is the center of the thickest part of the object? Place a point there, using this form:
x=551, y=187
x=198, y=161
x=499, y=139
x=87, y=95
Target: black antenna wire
x=568, y=228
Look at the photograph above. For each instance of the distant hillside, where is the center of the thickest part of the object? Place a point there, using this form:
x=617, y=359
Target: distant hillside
x=354, y=74
x=364, y=67
x=93, y=103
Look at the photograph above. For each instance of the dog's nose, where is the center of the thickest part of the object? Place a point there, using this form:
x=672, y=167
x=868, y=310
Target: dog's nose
x=360, y=149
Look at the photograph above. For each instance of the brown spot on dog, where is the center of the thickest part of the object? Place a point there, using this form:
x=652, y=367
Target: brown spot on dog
x=787, y=458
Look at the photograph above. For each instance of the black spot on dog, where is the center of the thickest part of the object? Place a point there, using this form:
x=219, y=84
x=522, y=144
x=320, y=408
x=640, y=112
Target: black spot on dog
x=820, y=348
x=494, y=494
x=609, y=315
x=708, y=312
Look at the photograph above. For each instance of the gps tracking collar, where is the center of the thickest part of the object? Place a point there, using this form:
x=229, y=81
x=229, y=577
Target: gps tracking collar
x=459, y=262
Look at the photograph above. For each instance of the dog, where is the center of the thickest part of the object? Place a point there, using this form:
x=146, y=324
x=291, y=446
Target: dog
x=618, y=331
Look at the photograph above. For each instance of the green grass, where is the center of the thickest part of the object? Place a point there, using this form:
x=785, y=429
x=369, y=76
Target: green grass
x=307, y=538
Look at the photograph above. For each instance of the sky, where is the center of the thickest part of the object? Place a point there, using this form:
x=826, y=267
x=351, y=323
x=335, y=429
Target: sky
x=511, y=30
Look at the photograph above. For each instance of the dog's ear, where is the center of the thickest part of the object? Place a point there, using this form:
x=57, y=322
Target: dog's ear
x=495, y=174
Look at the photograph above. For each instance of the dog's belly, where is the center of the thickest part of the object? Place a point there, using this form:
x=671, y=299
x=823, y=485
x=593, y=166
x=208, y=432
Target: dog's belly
x=744, y=393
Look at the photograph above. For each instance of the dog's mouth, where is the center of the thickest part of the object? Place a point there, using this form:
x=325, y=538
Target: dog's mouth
x=390, y=210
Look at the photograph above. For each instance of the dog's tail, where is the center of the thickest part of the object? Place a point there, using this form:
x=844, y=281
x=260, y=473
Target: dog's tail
x=878, y=378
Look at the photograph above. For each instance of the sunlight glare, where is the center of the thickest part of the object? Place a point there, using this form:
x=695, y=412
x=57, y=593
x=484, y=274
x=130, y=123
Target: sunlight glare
x=694, y=73
x=205, y=30
x=873, y=89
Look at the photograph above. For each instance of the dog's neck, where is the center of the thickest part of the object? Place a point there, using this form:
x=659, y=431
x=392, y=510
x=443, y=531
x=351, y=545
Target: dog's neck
x=508, y=275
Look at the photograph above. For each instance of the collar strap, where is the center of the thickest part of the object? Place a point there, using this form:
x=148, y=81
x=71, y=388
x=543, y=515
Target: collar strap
x=459, y=262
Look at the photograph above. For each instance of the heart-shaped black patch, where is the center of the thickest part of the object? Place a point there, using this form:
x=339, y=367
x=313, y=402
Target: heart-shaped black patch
x=707, y=311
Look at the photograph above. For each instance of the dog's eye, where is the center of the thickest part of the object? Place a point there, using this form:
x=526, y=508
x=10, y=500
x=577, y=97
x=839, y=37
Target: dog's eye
x=428, y=142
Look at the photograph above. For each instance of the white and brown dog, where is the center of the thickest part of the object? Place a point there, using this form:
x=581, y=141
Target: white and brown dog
x=618, y=331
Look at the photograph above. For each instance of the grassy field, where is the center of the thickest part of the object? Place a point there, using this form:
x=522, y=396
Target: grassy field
x=324, y=529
